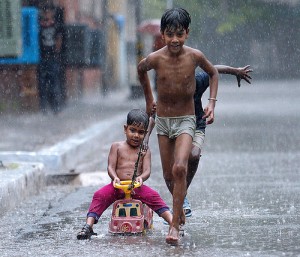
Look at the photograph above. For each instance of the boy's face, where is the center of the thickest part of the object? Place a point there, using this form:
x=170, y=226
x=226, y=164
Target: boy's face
x=175, y=38
x=134, y=134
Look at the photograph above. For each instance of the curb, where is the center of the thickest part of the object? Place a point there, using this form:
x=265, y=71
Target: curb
x=24, y=174
x=18, y=182
x=65, y=155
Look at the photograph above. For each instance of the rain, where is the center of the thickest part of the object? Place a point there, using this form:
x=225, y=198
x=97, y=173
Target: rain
x=68, y=78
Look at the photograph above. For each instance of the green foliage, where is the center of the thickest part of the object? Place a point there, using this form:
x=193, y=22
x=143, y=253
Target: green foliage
x=229, y=15
x=234, y=19
x=236, y=32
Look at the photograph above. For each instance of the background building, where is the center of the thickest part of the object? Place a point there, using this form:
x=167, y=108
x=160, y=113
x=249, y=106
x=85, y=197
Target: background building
x=98, y=49
x=102, y=45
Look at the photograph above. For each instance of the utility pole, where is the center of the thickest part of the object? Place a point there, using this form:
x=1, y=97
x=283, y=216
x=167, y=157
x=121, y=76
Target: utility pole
x=136, y=88
x=105, y=17
x=139, y=48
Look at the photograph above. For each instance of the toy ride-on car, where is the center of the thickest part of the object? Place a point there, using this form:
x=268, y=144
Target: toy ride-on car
x=130, y=216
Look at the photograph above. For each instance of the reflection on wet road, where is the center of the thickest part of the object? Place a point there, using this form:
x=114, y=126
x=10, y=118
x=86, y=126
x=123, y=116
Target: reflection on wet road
x=245, y=197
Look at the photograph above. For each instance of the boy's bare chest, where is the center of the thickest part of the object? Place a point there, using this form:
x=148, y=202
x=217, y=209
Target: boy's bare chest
x=176, y=70
x=128, y=156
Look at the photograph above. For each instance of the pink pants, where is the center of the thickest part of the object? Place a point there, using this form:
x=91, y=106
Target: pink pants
x=107, y=195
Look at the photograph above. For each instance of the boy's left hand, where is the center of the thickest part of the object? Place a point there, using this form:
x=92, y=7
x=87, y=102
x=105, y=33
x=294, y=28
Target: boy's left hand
x=139, y=180
x=209, y=113
x=242, y=73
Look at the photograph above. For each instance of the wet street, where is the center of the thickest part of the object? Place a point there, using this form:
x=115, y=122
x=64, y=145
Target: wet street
x=245, y=197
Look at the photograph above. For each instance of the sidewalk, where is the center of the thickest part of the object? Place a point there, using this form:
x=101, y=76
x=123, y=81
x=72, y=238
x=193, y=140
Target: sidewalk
x=33, y=145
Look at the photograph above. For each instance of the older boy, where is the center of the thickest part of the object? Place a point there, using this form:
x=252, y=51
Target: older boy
x=175, y=66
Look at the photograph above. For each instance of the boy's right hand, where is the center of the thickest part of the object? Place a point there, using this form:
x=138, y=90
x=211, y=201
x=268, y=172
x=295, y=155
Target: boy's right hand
x=151, y=108
x=116, y=181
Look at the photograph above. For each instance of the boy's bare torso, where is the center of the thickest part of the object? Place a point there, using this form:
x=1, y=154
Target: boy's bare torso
x=126, y=159
x=175, y=82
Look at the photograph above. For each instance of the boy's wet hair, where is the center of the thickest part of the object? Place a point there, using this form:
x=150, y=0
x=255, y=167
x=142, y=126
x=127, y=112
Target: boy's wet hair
x=175, y=18
x=137, y=117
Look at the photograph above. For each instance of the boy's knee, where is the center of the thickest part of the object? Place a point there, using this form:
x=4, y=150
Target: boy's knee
x=99, y=195
x=179, y=170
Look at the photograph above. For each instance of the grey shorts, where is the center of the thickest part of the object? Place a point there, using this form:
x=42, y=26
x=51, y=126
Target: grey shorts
x=173, y=127
x=198, y=139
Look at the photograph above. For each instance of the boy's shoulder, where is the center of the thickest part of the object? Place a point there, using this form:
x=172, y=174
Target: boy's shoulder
x=193, y=50
x=157, y=53
x=164, y=52
x=118, y=143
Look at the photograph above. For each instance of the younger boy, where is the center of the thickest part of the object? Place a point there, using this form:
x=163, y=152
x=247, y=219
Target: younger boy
x=121, y=164
x=175, y=66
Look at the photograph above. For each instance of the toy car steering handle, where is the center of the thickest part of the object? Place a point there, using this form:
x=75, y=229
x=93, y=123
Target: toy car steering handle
x=124, y=185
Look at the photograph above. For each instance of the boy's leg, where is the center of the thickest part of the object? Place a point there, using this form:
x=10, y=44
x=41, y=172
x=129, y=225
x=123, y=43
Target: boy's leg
x=152, y=198
x=195, y=155
x=102, y=199
x=179, y=171
x=167, y=216
x=166, y=149
x=193, y=164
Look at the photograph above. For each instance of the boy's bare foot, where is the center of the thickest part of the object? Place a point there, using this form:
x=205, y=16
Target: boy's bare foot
x=173, y=236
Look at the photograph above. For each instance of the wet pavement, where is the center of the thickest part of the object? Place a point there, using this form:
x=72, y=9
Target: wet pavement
x=35, y=131
x=245, y=196
x=78, y=131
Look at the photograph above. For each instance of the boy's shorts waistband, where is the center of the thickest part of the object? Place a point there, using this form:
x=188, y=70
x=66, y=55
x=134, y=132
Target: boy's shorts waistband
x=173, y=127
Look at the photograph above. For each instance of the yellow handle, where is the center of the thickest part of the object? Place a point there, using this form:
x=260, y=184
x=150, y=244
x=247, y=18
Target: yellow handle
x=124, y=185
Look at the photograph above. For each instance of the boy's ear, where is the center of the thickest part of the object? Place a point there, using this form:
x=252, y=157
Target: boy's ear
x=187, y=31
x=125, y=127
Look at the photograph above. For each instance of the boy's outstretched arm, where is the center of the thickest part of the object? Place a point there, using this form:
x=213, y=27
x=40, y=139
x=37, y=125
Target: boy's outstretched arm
x=240, y=72
x=142, y=69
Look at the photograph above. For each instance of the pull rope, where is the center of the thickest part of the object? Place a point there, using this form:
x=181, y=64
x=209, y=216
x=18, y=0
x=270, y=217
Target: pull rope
x=136, y=165
x=131, y=186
